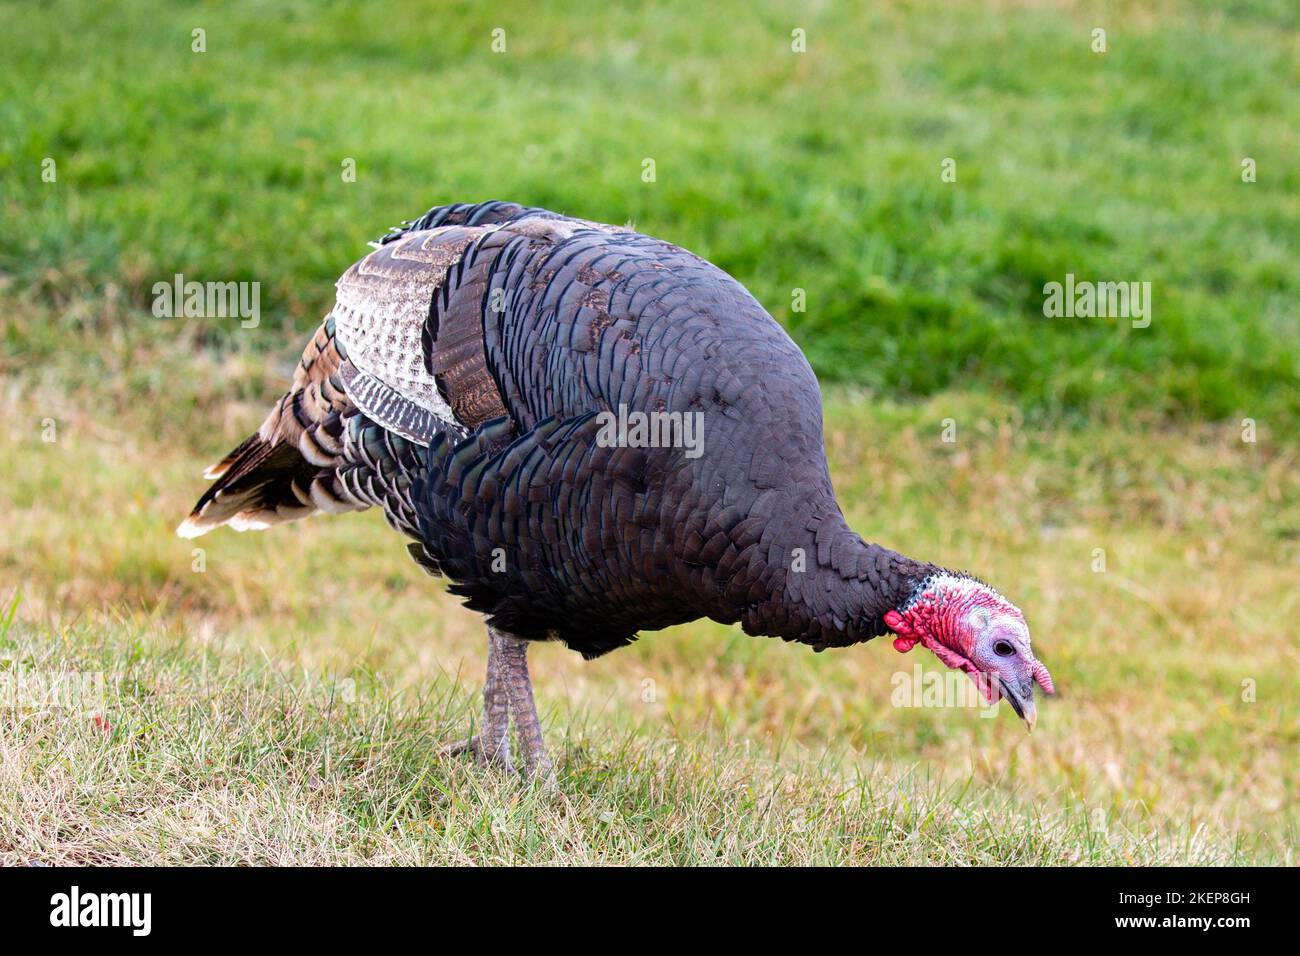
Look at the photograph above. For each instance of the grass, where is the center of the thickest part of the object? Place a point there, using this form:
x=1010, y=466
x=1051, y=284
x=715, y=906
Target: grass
x=817, y=171
x=280, y=697
x=210, y=759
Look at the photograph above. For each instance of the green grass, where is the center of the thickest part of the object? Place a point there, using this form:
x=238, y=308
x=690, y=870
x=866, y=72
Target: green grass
x=207, y=758
x=280, y=697
x=818, y=171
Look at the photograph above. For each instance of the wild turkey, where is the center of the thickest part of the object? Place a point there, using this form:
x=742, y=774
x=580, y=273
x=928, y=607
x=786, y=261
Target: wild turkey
x=476, y=379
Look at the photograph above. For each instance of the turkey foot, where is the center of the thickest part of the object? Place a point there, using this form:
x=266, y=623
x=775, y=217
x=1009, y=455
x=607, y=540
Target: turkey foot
x=508, y=693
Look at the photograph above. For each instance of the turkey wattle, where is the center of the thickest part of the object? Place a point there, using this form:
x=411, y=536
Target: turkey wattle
x=467, y=382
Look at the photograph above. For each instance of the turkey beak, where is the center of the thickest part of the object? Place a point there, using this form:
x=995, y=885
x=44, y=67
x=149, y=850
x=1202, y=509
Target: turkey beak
x=1022, y=703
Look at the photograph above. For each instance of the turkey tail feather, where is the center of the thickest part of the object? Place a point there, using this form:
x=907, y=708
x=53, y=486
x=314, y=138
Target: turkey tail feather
x=258, y=485
x=213, y=472
x=289, y=468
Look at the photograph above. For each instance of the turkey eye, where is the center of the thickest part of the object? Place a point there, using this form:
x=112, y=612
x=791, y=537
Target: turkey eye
x=1003, y=649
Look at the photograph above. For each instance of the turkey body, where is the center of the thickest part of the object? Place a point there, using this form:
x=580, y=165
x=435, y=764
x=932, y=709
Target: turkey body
x=464, y=383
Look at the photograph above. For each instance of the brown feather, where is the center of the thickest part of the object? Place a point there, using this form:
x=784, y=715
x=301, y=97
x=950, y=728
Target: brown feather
x=287, y=469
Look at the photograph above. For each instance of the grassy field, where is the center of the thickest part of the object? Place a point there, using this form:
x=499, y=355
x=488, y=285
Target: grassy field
x=280, y=697
x=819, y=171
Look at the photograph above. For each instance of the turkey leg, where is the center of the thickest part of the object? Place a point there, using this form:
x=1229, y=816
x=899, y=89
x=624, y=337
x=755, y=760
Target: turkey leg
x=491, y=745
x=523, y=708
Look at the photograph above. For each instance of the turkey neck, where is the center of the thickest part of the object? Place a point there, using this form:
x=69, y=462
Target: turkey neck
x=836, y=587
